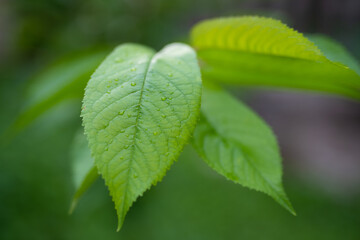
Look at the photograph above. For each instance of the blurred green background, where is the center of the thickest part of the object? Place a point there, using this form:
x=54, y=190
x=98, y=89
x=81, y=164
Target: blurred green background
x=319, y=135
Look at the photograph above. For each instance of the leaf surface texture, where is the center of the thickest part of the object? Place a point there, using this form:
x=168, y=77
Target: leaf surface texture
x=261, y=51
x=239, y=145
x=139, y=110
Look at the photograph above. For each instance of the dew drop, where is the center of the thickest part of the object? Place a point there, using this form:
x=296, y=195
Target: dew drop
x=170, y=98
x=156, y=133
x=121, y=158
x=163, y=116
x=133, y=84
x=126, y=146
x=170, y=74
x=127, y=135
x=133, y=69
x=129, y=115
x=163, y=98
x=116, y=79
x=158, y=109
x=106, y=149
x=118, y=60
x=122, y=112
x=122, y=131
x=135, y=175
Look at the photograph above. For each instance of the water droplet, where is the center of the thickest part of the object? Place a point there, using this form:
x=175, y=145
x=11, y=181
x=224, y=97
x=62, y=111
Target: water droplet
x=135, y=175
x=122, y=131
x=108, y=92
x=116, y=79
x=121, y=158
x=163, y=116
x=122, y=86
x=129, y=115
x=127, y=135
x=106, y=149
x=170, y=74
x=156, y=133
x=122, y=112
x=126, y=146
x=118, y=60
x=133, y=69
x=133, y=84
x=163, y=98
x=170, y=98
x=158, y=109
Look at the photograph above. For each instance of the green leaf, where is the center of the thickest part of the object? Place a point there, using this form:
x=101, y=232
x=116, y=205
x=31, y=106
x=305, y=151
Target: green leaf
x=65, y=79
x=264, y=52
x=334, y=51
x=239, y=145
x=84, y=171
x=139, y=110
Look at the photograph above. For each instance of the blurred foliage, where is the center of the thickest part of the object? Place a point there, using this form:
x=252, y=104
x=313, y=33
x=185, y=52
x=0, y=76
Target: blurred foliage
x=192, y=202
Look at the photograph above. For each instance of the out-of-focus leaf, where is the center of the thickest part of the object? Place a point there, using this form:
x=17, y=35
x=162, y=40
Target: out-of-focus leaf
x=140, y=108
x=63, y=80
x=334, y=51
x=239, y=145
x=84, y=171
x=264, y=52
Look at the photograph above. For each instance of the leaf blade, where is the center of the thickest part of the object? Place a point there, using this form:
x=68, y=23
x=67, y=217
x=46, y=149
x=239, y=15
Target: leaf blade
x=254, y=51
x=134, y=96
x=84, y=171
x=236, y=143
x=65, y=79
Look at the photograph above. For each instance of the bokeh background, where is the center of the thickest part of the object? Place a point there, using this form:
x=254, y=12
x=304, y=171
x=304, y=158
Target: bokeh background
x=319, y=134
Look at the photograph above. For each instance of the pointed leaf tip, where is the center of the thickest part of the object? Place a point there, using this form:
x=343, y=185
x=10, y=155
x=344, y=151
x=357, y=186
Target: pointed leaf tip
x=239, y=145
x=141, y=108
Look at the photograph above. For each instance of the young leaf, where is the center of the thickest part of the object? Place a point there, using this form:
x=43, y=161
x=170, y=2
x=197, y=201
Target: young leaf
x=63, y=80
x=236, y=143
x=139, y=110
x=263, y=51
x=84, y=171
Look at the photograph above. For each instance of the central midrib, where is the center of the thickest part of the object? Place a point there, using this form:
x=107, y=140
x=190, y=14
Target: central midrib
x=136, y=130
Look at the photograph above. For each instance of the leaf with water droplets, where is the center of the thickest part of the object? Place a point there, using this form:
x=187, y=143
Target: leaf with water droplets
x=132, y=143
x=236, y=143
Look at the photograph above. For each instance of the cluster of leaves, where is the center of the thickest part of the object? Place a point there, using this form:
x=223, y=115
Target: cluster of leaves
x=141, y=107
